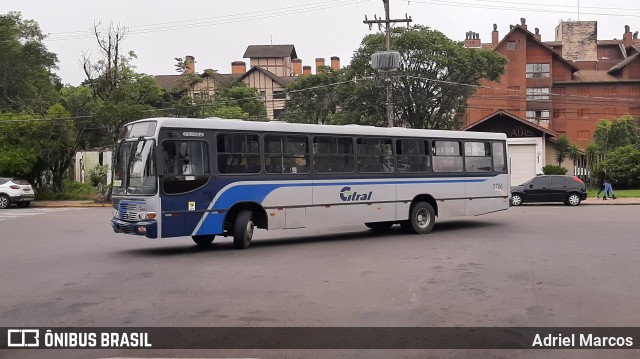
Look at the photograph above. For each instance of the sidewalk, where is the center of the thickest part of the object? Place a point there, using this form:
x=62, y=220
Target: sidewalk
x=608, y=202
x=69, y=204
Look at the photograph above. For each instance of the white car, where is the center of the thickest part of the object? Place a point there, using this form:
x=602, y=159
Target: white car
x=14, y=190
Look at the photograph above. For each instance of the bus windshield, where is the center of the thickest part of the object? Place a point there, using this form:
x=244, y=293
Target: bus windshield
x=134, y=170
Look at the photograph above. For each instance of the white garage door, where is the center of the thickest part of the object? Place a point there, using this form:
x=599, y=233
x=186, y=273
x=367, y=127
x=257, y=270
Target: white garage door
x=523, y=163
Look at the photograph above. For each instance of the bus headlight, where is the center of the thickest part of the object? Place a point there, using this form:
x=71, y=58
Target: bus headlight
x=115, y=213
x=142, y=216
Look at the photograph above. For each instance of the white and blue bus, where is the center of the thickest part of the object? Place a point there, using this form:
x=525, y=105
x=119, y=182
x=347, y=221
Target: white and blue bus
x=178, y=177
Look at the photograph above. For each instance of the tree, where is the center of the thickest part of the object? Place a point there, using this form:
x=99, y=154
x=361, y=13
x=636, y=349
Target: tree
x=435, y=78
x=27, y=81
x=624, y=162
x=562, y=151
x=313, y=99
x=188, y=80
x=610, y=135
x=120, y=93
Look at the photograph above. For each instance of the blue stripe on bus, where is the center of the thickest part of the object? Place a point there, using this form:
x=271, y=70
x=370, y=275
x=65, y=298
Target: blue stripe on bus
x=257, y=192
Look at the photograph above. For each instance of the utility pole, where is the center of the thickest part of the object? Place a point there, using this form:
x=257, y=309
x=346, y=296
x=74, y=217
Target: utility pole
x=388, y=58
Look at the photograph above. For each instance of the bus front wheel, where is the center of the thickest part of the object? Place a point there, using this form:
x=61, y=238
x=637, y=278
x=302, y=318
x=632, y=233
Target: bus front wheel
x=204, y=240
x=243, y=230
x=422, y=217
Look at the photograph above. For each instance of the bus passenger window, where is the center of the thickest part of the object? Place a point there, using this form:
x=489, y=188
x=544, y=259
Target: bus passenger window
x=447, y=156
x=333, y=154
x=499, y=162
x=477, y=156
x=286, y=154
x=238, y=153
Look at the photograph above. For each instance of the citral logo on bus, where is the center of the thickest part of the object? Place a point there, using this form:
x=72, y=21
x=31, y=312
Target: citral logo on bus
x=347, y=195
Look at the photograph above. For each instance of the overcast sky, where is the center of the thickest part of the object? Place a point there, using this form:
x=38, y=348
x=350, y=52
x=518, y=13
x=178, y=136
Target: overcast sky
x=218, y=32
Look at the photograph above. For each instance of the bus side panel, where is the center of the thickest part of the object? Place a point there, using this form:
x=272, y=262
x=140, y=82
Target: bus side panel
x=353, y=201
x=489, y=196
x=449, y=194
x=286, y=205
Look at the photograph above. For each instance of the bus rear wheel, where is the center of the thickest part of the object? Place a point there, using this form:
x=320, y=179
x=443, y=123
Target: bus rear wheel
x=422, y=217
x=203, y=241
x=243, y=230
x=379, y=226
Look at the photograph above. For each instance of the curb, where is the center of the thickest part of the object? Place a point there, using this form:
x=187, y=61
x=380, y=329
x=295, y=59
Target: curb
x=61, y=205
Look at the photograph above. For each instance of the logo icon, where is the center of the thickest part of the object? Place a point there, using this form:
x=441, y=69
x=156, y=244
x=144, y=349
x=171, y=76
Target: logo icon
x=23, y=338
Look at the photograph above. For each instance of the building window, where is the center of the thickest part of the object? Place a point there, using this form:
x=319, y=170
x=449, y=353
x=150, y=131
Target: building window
x=610, y=90
x=277, y=113
x=279, y=95
x=583, y=91
x=634, y=111
x=634, y=89
x=610, y=111
x=537, y=93
x=559, y=113
x=584, y=135
x=513, y=90
x=538, y=70
x=560, y=90
x=583, y=112
x=511, y=45
x=484, y=91
x=537, y=115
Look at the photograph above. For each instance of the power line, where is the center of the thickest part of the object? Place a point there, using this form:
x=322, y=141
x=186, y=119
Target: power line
x=225, y=19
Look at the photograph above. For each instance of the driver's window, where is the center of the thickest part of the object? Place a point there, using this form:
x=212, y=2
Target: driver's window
x=186, y=165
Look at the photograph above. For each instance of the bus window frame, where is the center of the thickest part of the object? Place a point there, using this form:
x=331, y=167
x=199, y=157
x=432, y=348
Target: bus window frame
x=260, y=153
x=164, y=171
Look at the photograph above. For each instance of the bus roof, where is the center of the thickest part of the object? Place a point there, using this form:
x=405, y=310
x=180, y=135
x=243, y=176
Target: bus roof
x=279, y=126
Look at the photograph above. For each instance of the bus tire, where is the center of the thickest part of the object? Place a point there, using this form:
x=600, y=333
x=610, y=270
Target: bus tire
x=422, y=217
x=203, y=241
x=243, y=230
x=379, y=226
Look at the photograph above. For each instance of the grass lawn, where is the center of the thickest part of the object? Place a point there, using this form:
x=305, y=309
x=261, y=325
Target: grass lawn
x=620, y=193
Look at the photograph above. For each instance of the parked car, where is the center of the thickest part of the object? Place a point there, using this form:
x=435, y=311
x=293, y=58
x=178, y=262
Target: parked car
x=15, y=190
x=550, y=188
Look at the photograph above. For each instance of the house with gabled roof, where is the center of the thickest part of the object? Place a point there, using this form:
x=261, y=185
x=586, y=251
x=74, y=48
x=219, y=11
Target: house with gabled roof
x=271, y=69
x=567, y=85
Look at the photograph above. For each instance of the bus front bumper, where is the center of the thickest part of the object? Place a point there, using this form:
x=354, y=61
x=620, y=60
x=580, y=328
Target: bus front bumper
x=144, y=228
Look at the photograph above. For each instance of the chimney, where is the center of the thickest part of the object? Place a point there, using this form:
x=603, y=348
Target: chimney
x=494, y=36
x=297, y=67
x=319, y=64
x=238, y=68
x=472, y=39
x=627, y=37
x=190, y=63
x=306, y=70
x=335, y=63
x=537, y=35
x=523, y=23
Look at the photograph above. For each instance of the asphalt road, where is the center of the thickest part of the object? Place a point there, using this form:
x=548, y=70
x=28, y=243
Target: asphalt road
x=537, y=265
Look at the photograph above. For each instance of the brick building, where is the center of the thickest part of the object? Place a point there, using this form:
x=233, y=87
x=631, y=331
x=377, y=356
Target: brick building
x=567, y=85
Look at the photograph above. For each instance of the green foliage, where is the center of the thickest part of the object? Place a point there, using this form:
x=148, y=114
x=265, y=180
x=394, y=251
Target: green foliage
x=313, y=99
x=73, y=191
x=554, y=170
x=241, y=96
x=563, y=148
x=610, y=135
x=98, y=174
x=624, y=162
x=429, y=88
x=27, y=82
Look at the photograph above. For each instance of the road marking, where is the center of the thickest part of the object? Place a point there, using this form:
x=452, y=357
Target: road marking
x=6, y=214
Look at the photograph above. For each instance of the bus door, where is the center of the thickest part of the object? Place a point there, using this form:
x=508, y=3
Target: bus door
x=187, y=187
